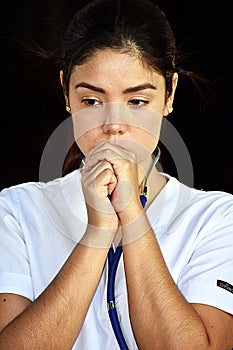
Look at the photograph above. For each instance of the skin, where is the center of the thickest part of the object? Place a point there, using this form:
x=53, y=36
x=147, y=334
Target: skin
x=109, y=170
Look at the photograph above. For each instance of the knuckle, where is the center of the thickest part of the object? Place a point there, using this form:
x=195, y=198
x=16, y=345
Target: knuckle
x=107, y=171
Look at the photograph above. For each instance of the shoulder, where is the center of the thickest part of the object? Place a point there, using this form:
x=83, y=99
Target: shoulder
x=194, y=210
x=213, y=205
x=58, y=204
x=31, y=194
x=214, y=200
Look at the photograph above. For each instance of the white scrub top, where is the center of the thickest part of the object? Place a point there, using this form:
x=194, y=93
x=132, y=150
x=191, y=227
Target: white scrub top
x=40, y=224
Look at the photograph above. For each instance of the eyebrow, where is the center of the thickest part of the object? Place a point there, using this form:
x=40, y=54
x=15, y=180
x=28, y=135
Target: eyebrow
x=90, y=87
x=126, y=91
x=139, y=88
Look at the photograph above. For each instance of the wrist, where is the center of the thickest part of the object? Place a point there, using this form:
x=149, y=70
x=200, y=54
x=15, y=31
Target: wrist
x=131, y=212
x=98, y=237
x=135, y=227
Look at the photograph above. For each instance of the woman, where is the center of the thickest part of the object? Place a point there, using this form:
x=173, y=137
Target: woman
x=173, y=284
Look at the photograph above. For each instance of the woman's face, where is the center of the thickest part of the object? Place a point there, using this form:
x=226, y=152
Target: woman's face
x=114, y=98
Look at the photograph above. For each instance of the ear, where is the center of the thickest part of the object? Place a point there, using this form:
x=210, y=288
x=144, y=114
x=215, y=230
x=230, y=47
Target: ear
x=170, y=98
x=64, y=88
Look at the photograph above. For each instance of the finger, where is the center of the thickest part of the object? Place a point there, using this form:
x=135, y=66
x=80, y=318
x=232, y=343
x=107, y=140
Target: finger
x=97, y=188
x=106, y=181
x=108, y=147
x=101, y=174
x=97, y=168
x=108, y=152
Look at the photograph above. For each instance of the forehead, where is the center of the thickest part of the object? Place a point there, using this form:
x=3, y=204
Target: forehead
x=109, y=66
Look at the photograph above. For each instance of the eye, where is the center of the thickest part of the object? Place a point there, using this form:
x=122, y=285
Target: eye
x=136, y=102
x=91, y=102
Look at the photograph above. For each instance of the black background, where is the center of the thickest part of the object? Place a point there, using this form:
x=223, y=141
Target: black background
x=32, y=105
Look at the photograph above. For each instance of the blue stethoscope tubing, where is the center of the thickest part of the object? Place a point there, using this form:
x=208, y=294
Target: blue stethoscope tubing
x=113, y=261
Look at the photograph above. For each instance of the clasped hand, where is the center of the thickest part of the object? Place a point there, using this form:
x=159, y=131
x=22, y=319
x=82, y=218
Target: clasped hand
x=111, y=186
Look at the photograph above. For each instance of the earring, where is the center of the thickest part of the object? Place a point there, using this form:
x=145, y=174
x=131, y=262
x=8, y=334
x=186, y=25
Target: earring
x=68, y=109
x=170, y=109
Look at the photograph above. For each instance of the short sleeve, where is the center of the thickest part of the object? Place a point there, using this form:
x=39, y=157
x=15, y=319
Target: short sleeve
x=208, y=276
x=14, y=265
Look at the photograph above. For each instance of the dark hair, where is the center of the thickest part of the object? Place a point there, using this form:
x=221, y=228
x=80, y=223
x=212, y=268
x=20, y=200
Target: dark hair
x=138, y=27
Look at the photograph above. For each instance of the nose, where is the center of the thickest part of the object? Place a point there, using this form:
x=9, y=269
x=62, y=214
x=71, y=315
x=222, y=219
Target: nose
x=114, y=123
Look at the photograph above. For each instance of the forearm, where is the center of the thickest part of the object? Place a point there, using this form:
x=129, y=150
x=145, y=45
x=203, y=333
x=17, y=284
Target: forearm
x=55, y=319
x=161, y=317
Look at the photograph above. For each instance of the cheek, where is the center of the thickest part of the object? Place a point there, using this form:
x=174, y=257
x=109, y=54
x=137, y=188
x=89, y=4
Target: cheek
x=146, y=143
x=86, y=142
x=150, y=141
x=148, y=129
x=141, y=134
x=86, y=122
x=145, y=133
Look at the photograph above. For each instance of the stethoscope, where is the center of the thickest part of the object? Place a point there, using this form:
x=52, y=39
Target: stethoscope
x=113, y=261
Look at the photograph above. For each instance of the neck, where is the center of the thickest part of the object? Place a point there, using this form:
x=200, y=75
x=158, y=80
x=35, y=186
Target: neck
x=153, y=180
x=155, y=184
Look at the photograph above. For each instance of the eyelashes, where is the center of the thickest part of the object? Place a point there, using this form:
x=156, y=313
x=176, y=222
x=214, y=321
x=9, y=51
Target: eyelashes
x=91, y=102
x=135, y=102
